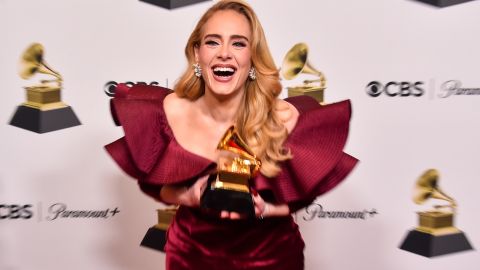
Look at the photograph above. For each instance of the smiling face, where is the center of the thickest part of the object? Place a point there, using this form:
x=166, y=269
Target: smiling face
x=224, y=52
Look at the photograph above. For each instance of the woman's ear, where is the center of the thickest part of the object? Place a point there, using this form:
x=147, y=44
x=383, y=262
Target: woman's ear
x=195, y=51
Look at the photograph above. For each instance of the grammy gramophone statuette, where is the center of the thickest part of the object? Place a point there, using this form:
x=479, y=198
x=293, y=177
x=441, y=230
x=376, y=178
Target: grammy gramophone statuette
x=296, y=62
x=444, y=3
x=156, y=237
x=43, y=111
x=171, y=4
x=229, y=189
x=435, y=234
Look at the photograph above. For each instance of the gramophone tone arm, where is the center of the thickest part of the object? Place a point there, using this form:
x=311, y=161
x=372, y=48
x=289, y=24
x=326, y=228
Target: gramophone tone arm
x=58, y=80
x=321, y=79
x=311, y=81
x=452, y=207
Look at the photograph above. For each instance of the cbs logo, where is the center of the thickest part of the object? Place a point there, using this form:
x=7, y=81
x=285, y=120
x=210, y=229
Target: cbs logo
x=392, y=89
x=15, y=211
x=111, y=86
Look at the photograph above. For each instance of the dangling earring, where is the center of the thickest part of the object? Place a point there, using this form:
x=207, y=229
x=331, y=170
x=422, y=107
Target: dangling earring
x=197, y=70
x=252, y=74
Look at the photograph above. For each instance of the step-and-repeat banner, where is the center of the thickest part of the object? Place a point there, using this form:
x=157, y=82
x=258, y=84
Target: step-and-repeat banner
x=410, y=68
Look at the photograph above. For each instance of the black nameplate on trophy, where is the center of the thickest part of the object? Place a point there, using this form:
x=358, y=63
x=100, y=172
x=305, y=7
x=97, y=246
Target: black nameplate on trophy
x=444, y=3
x=429, y=245
x=219, y=199
x=171, y=4
x=155, y=238
x=44, y=121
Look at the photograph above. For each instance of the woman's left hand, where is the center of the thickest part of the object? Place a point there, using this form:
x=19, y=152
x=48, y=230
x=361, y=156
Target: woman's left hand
x=263, y=209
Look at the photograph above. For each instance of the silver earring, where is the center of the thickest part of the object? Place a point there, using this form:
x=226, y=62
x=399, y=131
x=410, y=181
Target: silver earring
x=252, y=74
x=197, y=70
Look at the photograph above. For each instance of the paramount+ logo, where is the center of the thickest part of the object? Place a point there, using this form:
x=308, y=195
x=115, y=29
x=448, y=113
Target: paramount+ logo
x=55, y=211
x=395, y=89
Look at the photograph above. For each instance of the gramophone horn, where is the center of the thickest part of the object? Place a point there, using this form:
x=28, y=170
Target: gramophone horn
x=32, y=62
x=295, y=62
x=231, y=141
x=426, y=187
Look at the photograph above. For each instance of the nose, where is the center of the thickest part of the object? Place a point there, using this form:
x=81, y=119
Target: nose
x=224, y=52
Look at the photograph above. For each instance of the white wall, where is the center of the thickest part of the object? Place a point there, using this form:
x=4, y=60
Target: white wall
x=352, y=42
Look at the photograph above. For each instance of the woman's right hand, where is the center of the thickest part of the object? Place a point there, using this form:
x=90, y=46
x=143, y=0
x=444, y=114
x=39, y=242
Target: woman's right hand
x=194, y=192
x=183, y=195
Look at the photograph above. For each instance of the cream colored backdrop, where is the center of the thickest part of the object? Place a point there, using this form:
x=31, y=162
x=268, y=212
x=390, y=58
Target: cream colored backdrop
x=353, y=42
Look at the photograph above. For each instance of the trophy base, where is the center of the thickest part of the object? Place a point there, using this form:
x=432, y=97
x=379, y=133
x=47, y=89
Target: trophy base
x=44, y=121
x=429, y=245
x=170, y=4
x=315, y=92
x=155, y=238
x=219, y=199
x=444, y=3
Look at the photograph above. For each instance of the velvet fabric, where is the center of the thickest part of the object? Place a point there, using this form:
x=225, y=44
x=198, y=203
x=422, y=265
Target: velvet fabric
x=195, y=240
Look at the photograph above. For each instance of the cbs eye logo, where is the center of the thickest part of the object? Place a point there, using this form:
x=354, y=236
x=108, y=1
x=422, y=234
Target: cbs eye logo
x=393, y=89
x=15, y=211
x=110, y=87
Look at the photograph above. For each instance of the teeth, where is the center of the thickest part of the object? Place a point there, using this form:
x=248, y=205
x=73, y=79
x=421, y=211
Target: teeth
x=223, y=69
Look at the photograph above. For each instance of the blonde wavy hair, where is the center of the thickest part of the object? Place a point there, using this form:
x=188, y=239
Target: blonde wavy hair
x=257, y=121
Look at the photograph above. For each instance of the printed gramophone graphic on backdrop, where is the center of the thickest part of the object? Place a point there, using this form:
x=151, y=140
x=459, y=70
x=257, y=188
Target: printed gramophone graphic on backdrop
x=156, y=236
x=295, y=63
x=43, y=111
x=171, y=4
x=435, y=234
x=444, y=3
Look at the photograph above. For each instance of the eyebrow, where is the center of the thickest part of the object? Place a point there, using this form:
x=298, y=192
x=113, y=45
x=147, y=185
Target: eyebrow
x=220, y=37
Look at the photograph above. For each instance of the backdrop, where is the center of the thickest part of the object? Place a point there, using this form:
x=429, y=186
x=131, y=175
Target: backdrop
x=410, y=69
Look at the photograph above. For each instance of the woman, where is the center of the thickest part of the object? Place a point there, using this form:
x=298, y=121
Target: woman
x=170, y=146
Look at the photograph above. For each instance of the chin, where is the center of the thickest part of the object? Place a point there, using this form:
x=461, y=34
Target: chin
x=224, y=88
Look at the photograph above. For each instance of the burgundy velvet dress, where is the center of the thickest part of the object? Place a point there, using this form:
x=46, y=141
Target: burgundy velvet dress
x=149, y=153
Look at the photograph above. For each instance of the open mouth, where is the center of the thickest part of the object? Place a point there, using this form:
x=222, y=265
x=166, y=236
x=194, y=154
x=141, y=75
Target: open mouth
x=223, y=71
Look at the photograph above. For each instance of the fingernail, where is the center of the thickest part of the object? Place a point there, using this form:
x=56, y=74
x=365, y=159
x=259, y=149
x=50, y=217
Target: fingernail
x=254, y=192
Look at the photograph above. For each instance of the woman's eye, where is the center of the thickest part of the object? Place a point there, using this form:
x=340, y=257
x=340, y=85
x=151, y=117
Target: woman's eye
x=211, y=42
x=239, y=44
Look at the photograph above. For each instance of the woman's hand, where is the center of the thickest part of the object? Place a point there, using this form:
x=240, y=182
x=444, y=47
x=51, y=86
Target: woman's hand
x=194, y=193
x=183, y=195
x=190, y=196
x=263, y=209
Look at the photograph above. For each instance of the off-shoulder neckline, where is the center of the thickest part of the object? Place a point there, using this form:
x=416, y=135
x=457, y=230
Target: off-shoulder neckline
x=172, y=135
x=175, y=141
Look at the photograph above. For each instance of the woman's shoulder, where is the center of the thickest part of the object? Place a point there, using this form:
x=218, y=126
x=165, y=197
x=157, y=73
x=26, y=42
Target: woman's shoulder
x=175, y=106
x=149, y=150
x=287, y=113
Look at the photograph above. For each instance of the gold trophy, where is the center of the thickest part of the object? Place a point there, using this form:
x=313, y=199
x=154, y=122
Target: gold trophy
x=156, y=237
x=229, y=189
x=435, y=234
x=294, y=63
x=43, y=111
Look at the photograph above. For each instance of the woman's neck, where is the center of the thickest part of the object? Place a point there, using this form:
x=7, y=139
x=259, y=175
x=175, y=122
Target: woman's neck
x=220, y=108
